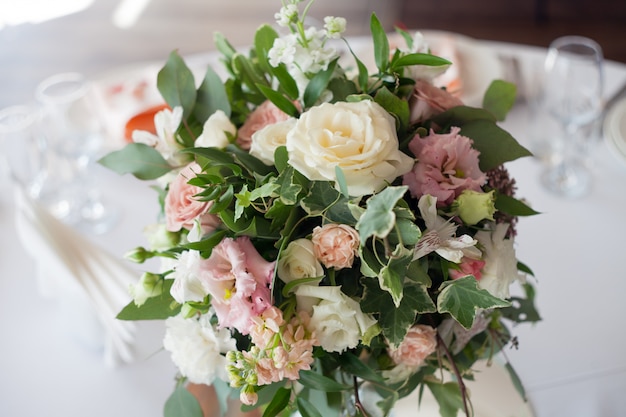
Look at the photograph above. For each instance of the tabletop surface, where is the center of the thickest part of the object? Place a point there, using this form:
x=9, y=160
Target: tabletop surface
x=572, y=363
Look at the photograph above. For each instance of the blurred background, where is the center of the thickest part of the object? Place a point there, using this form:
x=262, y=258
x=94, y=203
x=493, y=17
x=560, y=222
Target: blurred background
x=39, y=38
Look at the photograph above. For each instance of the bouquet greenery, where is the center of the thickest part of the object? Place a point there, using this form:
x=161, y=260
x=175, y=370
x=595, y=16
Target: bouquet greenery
x=328, y=229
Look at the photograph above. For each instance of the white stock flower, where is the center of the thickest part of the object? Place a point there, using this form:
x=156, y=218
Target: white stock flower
x=287, y=14
x=358, y=137
x=196, y=347
x=186, y=286
x=337, y=320
x=283, y=51
x=439, y=235
x=500, y=269
x=215, y=131
x=166, y=123
x=334, y=26
x=267, y=140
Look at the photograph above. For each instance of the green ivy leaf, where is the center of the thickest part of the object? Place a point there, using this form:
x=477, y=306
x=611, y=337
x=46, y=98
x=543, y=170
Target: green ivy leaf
x=211, y=96
x=182, y=403
x=462, y=298
x=448, y=396
x=391, y=276
x=379, y=217
x=138, y=159
x=324, y=199
x=176, y=84
x=155, y=308
x=499, y=98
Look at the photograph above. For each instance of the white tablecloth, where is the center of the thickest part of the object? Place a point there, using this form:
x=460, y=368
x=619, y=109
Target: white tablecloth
x=573, y=363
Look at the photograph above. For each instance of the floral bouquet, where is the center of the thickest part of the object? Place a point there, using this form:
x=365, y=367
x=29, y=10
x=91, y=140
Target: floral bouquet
x=327, y=229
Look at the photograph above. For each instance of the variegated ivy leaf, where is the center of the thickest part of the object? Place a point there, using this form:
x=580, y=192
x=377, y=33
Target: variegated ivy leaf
x=379, y=217
x=391, y=276
x=462, y=299
x=324, y=199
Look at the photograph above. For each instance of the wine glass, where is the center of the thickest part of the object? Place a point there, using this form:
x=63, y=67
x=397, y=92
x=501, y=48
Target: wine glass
x=572, y=96
x=73, y=139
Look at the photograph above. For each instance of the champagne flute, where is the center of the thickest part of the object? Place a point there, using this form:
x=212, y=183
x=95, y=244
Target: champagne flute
x=572, y=95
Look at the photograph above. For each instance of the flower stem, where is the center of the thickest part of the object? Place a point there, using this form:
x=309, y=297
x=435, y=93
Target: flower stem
x=459, y=378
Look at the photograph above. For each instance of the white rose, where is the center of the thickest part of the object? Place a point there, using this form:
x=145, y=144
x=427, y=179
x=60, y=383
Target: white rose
x=338, y=321
x=215, y=131
x=186, y=286
x=297, y=261
x=360, y=138
x=268, y=139
x=500, y=268
x=196, y=348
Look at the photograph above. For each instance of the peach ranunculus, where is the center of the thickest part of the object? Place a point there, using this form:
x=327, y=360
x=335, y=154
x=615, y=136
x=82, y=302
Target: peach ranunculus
x=419, y=342
x=335, y=245
x=238, y=280
x=429, y=100
x=182, y=208
x=266, y=114
x=446, y=165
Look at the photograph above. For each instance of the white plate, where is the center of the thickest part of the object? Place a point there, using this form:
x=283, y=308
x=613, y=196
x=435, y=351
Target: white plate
x=614, y=128
x=492, y=395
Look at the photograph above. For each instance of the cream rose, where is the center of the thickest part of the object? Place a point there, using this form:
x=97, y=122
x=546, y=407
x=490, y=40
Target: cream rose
x=358, y=137
x=335, y=245
x=337, y=320
x=266, y=140
x=216, y=131
x=297, y=261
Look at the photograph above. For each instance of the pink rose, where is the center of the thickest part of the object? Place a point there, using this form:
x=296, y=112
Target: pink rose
x=419, y=342
x=468, y=266
x=428, y=100
x=446, y=165
x=182, y=208
x=238, y=280
x=266, y=114
x=335, y=245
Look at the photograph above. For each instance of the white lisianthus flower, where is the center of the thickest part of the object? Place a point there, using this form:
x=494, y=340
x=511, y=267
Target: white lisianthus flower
x=216, y=131
x=358, y=137
x=334, y=26
x=186, y=286
x=500, y=269
x=197, y=348
x=439, y=235
x=166, y=122
x=268, y=139
x=337, y=320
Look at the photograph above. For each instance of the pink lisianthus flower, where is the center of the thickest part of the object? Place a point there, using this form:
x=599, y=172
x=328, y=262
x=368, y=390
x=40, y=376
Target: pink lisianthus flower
x=182, y=208
x=266, y=114
x=428, y=100
x=238, y=279
x=446, y=165
x=468, y=266
x=419, y=342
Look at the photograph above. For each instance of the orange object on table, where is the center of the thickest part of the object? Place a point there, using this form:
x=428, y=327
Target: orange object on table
x=142, y=121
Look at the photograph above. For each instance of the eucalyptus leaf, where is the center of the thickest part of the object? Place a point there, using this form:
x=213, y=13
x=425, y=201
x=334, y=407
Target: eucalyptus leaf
x=263, y=42
x=176, y=84
x=381, y=43
x=320, y=382
x=499, y=98
x=280, y=101
x=318, y=84
x=138, y=159
x=182, y=403
x=421, y=59
x=448, y=397
x=515, y=379
x=462, y=299
x=514, y=207
x=211, y=97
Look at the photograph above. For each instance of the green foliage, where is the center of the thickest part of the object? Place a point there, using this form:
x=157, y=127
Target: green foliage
x=499, y=98
x=155, y=308
x=140, y=160
x=182, y=403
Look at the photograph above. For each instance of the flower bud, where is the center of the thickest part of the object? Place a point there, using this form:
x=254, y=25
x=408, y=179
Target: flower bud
x=472, y=206
x=138, y=255
x=149, y=285
x=160, y=238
